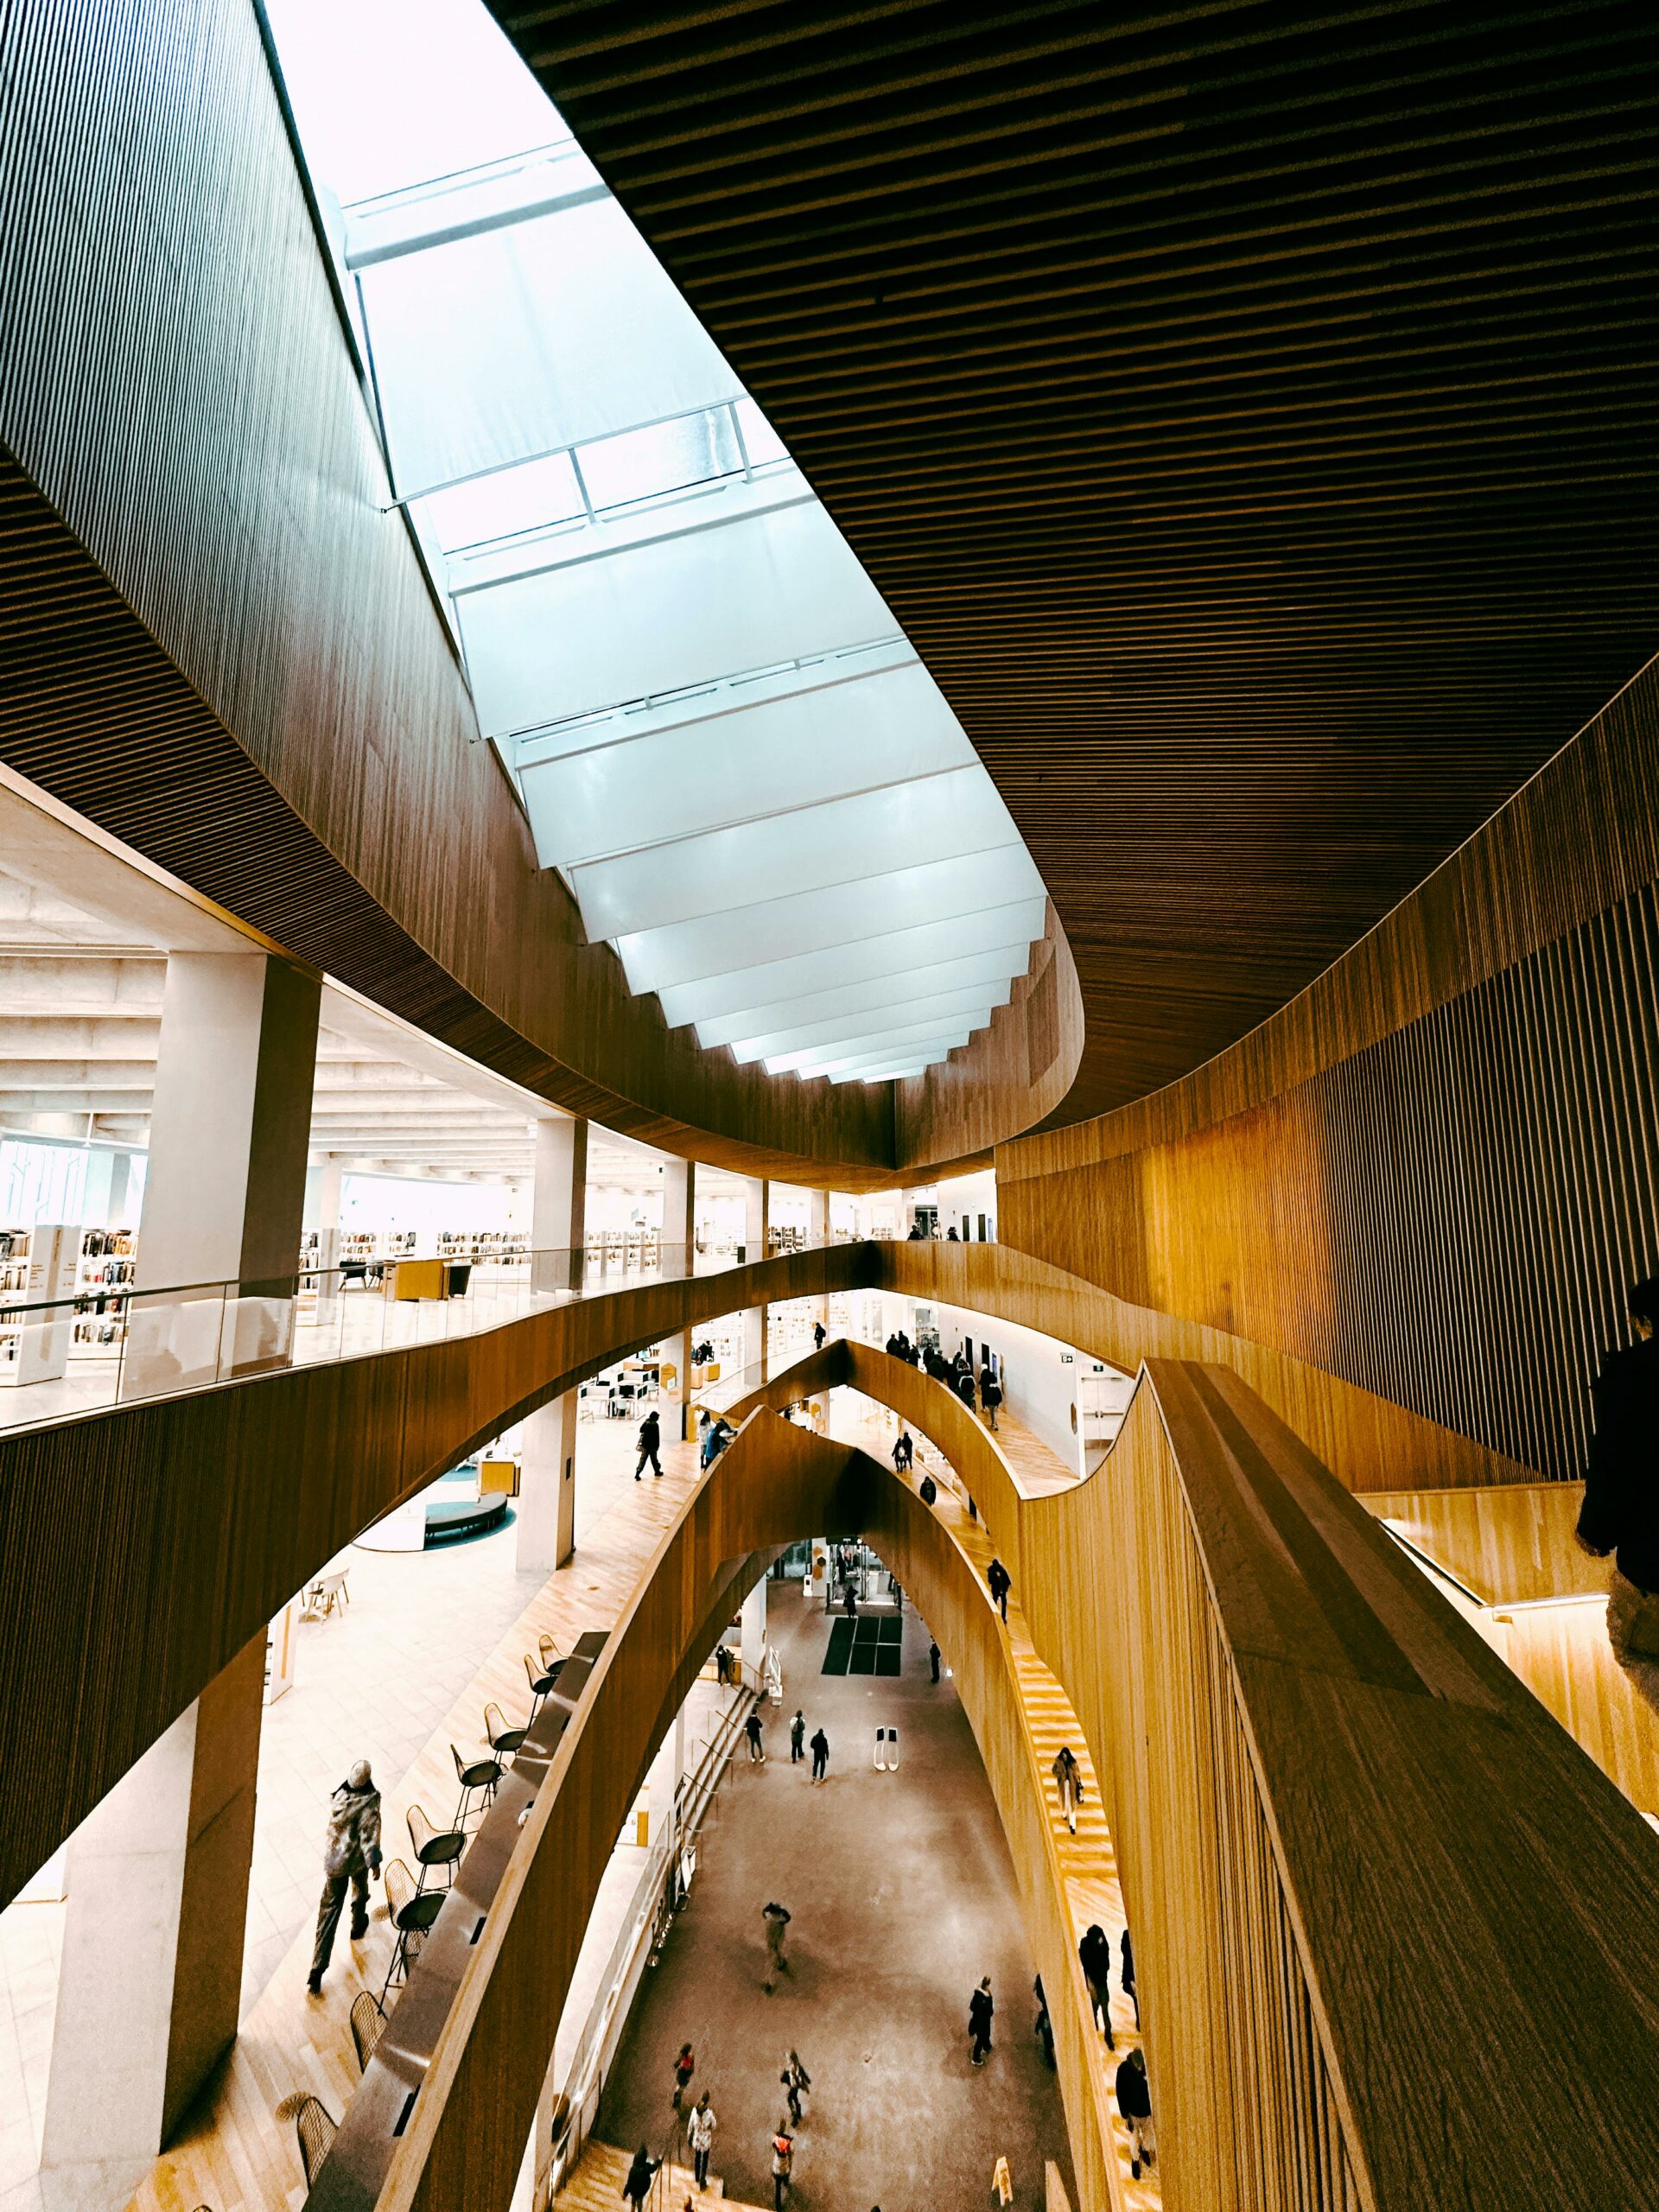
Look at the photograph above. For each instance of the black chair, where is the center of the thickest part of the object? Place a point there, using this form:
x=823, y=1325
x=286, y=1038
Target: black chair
x=412, y=1912
x=435, y=1847
x=316, y=2127
x=541, y=1680
x=368, y=2020
x=504, y=1741
x=478, y=1778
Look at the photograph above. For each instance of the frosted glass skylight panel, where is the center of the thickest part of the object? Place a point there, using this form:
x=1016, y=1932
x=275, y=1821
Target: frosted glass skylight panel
x=673, y=610
x=976, y=1002
x=508, y=503
x=812, y=921
x=760, y=442
x=843, y=839
x=547, y=332
x=810, y=1059
x=887, y=1074
x=741, y=764
x=667, y=457
x=894, y=952
x=990, y=970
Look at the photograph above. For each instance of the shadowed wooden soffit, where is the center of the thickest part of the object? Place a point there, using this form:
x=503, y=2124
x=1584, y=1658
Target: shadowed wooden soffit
x=1243, y=409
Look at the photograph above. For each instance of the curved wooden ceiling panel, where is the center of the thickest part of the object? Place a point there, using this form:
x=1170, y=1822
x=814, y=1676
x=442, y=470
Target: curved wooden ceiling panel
x=1244, y=411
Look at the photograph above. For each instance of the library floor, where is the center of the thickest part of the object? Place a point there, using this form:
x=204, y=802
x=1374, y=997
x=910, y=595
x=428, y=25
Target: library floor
x=903, y=1894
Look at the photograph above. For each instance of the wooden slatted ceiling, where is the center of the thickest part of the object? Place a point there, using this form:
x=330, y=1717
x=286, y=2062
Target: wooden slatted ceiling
x=1245, y=409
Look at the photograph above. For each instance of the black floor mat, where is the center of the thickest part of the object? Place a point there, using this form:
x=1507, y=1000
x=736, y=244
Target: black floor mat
x=872, y=1645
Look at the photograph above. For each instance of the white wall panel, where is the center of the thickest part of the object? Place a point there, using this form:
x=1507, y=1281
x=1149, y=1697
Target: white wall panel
x=663, y=613
x=976, y=1003
x=813, y=920
x=751, y=760
x=910, y=985
x=719, y=997
x=815, y=1059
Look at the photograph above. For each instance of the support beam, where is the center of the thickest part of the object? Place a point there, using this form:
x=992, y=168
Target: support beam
x=150, y=1979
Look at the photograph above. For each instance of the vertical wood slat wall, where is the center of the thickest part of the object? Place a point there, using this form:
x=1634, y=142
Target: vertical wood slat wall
x=1436, y=1174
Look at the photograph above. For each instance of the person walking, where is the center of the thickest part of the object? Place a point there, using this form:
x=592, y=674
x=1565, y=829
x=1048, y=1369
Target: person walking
x=819, y=1333
x=930, y=1491
x=849, y=1598
x=1620, y=1513
x=1044, y=2027
x=351, y=1853
x=700, y=2134
x=990, y=1395
x=999, y=1581
x=684, y=2067
x=650, y=1437
x=801, y=2084
x=1094, y=1956
x=786, y=2081
x=904, y=1452
x=1128, y=1976
x=637, y=2186
x=820, y=1756
x=797, y=1738
x=964, y=1387
x=777, y=1920
x=933, y=1659
x=1134, y=2102
x=783, y=2158
x=757, y=1750
x=1068, y=1781
x=980, y=2009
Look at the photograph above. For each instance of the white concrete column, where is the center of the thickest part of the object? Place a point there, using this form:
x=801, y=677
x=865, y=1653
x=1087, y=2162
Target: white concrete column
x=546, y=1508
x=679, y=1236
x=150, y=1979
x=558, y=1211
x=817, y=1232
x=224, y=1190
x=757, y=1208
x=753, y=1644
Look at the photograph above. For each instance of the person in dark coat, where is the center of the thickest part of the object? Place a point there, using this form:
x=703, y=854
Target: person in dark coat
x=1134, y=2102
x=990, y=1396
x=1045, y=2026
x=757, y=1749
x=1095, y=1955
x=1128, y=1976
x=930, y=1491
x=999, y=1581
x=637, y=2186
x=903, y=1452
x=351, y=1853
x=796, y=1737
x=933, y=1659
x=965, y=1387
x=819, y=1333
x=650, y=1437
x=1620, y=1512
x=820, y=1756
x=980, y=2009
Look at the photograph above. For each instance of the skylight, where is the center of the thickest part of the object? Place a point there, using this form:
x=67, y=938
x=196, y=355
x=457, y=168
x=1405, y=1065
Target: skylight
x=722, y=739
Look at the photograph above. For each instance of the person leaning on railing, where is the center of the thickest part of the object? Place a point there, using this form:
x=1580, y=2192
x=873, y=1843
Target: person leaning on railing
x=1620, y=1512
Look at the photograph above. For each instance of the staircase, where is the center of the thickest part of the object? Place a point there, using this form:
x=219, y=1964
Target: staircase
x=596, y=2185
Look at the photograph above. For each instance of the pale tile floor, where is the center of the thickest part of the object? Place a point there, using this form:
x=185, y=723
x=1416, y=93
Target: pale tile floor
x=372, y=1683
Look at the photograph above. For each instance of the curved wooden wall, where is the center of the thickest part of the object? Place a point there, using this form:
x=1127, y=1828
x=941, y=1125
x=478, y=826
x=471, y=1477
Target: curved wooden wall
x=1368, y=1441
x=221, y=645
x=142, y=1547
x=464, y=2139
x=1008, y=1077
x=1435, y=1174
x=1350, y=1841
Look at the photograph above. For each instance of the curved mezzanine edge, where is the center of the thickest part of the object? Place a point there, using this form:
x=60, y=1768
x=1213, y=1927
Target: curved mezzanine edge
x=477, y=2076
x=1315, y=1773
x=142, y=1546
